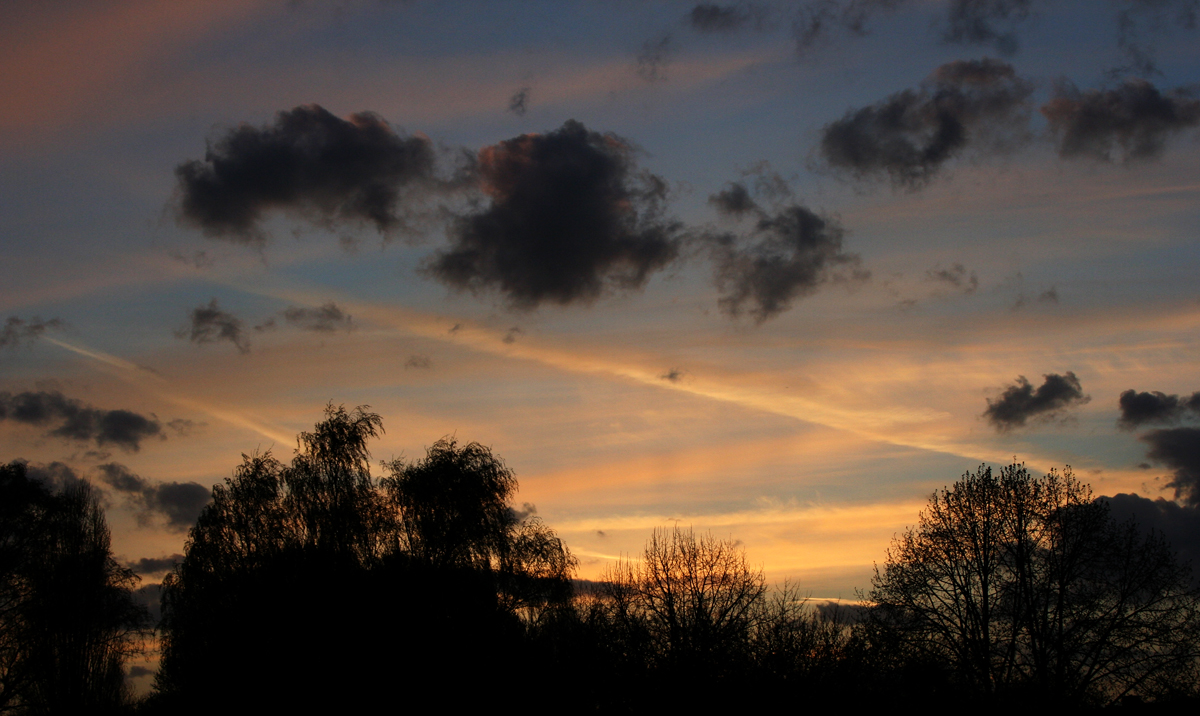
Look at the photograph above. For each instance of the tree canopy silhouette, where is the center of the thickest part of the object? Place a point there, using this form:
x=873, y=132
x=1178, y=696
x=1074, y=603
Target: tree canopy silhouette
x=1025, y=587
x=314, y=584
x=68, y=621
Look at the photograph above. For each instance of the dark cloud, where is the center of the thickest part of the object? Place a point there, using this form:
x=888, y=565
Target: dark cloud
x=1134, y=120
x=198, y=259
x=956, y=276
x=1020, y=403
x=653, y=58
x=308, y=162
x=1139, y=18
x=815, y=20
x=713, y=18
x=733, y=201
x=787, y=255
x=325, y=319
x=519, y=102
x=137, y=670
x=511, y=335
x=76, y=420
x=1178, y=449
x=1178, y=525
x=986, y=22
x=210, y=324
x=570, y=216
x=183, y=426
x=1139, y=409
x=179, y=503
x=18, y=330
x=418, y=361
x=56, y=475
x=674, y=375
x=981, y=104
x=1050, y=295
x=155, y=565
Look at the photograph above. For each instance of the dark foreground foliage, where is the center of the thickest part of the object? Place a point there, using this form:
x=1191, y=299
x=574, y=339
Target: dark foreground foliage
x=68, y=621
x=315, y=587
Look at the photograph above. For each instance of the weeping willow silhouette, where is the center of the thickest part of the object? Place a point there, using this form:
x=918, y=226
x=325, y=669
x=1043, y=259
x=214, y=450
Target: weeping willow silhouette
x=315, y=584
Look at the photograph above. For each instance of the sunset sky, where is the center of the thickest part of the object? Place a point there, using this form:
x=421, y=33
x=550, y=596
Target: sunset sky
x=771, y=270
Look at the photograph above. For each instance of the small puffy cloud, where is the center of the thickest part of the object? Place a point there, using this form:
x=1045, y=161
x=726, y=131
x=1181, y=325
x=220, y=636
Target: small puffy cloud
x=179, y=503
x=1021, y=402
x=956, y=276
x=570, y=217
x=908, y=137
x=18, y=330
x=707, y=17
x=76, y=420
x=1133, y=121
x=734, y=200
x=673, y=375
x=209, y=324
x=1139, y=409
x=518, y=104
x=324, y=319
x=986, y=22
x=418, y=361
x=786, y=255
x=1179, y=450
x=310, y=163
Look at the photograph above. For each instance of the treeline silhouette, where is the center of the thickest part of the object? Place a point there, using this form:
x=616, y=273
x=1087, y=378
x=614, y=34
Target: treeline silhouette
x=312, y=586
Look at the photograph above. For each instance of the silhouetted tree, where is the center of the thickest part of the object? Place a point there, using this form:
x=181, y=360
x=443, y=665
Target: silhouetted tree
x=1025, y=587
x=310, y=585
x=68, y=621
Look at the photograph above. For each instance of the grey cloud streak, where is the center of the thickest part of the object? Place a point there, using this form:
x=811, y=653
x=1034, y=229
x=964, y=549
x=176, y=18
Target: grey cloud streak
x=18, y=330
x=76, y=420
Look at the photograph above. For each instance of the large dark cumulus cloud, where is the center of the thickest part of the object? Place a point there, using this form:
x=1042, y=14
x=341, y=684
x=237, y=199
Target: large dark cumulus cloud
x=76, y=420
x=1135, y=117
x=911, y=134
x=18, y=330
x=209, y=324
x=1179, y=450
x=179, y=503
x=309, y=162
x=570, y=216
x=1139, y=409
x=787, y=254
x=1178, y=525
x=1021, y=402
